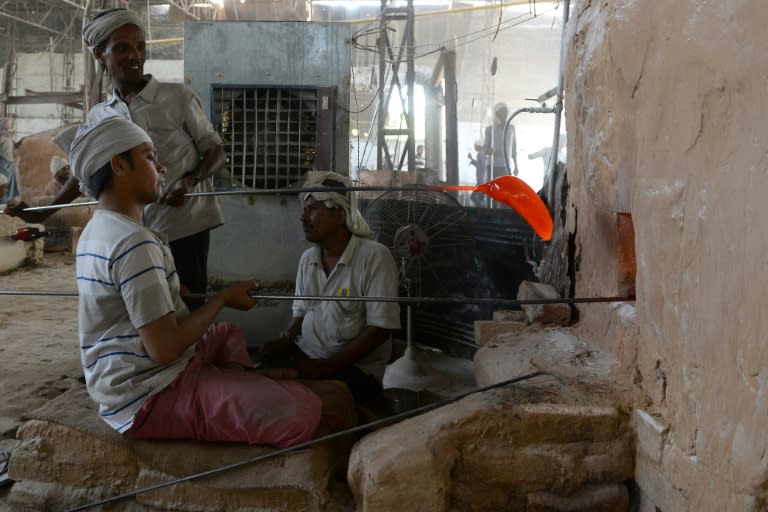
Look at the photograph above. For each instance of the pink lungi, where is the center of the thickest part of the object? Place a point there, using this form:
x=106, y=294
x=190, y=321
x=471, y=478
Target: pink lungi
x=214, y=399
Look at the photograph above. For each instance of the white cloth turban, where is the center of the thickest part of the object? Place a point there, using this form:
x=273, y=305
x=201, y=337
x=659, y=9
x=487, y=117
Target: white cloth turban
x=99, y=29
x=94, y=146
x=58, y=163
x=342, y=199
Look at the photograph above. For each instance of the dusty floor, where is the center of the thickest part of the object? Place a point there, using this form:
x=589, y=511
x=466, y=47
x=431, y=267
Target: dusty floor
x=38, y=343
x=38, y=346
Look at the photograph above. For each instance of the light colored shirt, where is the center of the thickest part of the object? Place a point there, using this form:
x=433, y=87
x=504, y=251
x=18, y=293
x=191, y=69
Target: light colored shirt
x=125, y=279
x=365, y=269
x=173, y=117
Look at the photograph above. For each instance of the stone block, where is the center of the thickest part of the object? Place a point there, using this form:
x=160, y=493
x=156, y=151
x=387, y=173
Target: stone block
x=644, y=503
x=488, y=450
x=595, y=498
x=563, y=423
x=508, y=315
x=612, y=461
x=681, y=468
x=66, y=445
x=657, y=487
x=556, y=313
x=555, y=349
x=650, y=435
x=487, y=330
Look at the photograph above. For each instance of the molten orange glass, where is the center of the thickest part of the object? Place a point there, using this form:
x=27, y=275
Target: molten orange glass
x=27, y=234
x=516, y=193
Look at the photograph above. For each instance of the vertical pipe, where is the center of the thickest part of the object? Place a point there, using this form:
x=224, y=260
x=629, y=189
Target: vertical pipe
x=244, y=139
x=451, y=119
x=280, y=135
x=255, y=97
x=410, y=80
x=231, y=135
x=558, y=113
x=382, y=117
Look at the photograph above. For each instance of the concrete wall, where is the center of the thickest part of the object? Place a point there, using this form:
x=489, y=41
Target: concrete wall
x=667, y=110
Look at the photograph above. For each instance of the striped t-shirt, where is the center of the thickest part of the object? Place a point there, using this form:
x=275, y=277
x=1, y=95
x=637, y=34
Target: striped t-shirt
x=126, y=279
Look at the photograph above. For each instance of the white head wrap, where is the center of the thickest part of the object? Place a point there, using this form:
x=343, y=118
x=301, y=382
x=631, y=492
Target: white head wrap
x=58, y=163
x=99, y=29
x=94, y=146
x=342, y=199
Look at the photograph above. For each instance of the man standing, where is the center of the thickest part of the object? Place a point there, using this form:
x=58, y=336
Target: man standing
x=495, y=143
x=341, y=340
x=155, y=370
x=186, y=142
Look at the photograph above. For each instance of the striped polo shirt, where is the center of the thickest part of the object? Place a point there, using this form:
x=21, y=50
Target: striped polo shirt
x=125, y=279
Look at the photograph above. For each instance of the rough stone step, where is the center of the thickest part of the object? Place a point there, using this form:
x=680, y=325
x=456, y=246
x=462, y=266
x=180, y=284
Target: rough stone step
x=65, y=445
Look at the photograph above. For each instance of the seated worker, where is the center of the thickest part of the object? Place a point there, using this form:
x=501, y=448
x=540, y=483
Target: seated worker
x=340, y=340
x=156, y=370
x=61, y=172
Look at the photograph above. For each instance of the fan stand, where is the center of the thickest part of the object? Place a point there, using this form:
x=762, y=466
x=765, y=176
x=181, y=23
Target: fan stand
x=407, y=372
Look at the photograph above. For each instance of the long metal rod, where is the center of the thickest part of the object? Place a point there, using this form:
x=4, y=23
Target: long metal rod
x=258, y=192
x=408, y=300
x=313, y=442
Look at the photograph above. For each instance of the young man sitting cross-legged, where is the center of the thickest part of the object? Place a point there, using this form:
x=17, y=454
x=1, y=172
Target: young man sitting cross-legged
x=156, y=370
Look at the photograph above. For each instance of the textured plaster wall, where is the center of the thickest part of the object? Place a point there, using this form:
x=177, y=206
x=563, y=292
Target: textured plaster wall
x=667, y=113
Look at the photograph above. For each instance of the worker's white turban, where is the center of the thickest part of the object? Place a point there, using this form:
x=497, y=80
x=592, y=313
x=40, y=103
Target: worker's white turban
x=342, y=199
x=99, y=29
x=94, y=146
x=58, y=163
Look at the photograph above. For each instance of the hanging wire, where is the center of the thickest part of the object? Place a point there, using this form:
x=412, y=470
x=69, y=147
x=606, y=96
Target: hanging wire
x=456, y=42
x=501, y=15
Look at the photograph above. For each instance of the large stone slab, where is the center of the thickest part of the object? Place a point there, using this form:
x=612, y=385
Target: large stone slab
x=491, y=450
x=580, y=364
x=67, y=457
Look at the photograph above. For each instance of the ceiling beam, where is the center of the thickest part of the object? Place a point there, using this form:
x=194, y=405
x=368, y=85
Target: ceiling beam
x=27, y=22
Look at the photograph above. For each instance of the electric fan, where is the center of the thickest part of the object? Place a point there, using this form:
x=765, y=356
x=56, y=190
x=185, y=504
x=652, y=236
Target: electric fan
x=424, y=230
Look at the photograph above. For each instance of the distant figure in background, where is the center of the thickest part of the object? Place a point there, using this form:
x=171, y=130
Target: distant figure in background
x=421, y=161
x=545, y=154
x=7, y=167
x=480, y=162
x=495, y=143
x=61, y=172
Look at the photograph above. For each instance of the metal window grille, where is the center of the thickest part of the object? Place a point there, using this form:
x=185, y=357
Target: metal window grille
x=271, y=134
